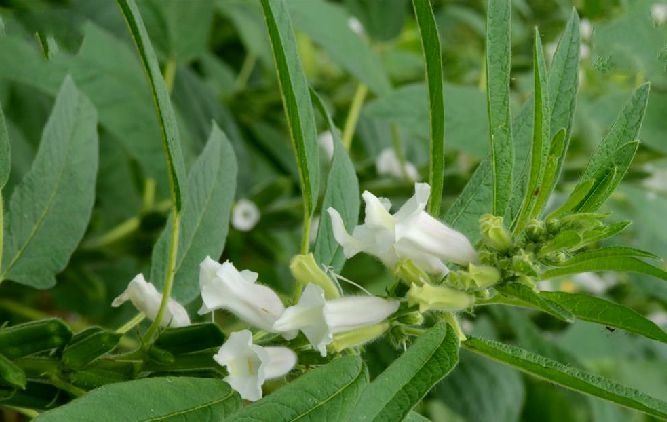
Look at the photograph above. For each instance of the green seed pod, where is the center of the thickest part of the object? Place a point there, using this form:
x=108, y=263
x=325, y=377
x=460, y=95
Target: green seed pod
x=189, y=339
x=88, y=345
x=32, y=337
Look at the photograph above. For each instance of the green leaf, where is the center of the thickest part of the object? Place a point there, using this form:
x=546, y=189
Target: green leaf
x=324, y=394
x=539, y=148
x=342, y=194
x=498, y=68
x=165, y=113
x=11, y=374
x=392, y=395
x=610, y=263
x=595, y=309
x=528, y=297
x=567, y=376
x=415, y=417
x=614, y=154
x=151, y=399
x=434, y=78
x=296, y=99
x=179, y=30
x=482, y=390
x=610, y=252
x=326, y=24
x=5, y=160
x=204, y=219
x=49, y=210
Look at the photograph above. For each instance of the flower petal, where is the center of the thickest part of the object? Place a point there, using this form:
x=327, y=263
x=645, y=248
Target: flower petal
x=351, y=246
x=348, y=313
x=281, y=360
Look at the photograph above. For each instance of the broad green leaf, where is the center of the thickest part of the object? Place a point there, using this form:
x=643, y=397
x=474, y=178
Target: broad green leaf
x=539, y=148
x=392, y=395
x=327, y=24
x=49, y=210
x=498, y=68
x=179, y=30
x=482, y=390
x=342, y=194
x=415, y=417
x=5, y=160
x=327, y=393
x=151, y=399
x=165, y=113
x=601, y=311
x=204, y=218
x=527, y=297
x=567, y=376
x=296, y=99
x=434, y=79
x=383, y=21
x=466, y=127
x=615, y=152
x=610, y=263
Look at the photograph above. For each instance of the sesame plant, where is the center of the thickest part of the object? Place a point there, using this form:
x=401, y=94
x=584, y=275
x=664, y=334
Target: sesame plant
x=183, y=230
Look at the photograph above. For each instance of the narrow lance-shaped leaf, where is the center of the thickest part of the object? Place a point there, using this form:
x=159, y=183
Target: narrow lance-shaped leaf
x=342, y=193
x=613, y=155
x=325, y=394
x=204, y=219
x=541, y=135
x=601, y=311
x=392, y=395
x=162, y=398
x=613, y=263
x=498, y=56
x=525, y=296
x=296, y=98
x=567, y=376
x=49, y=210
x=5, y=158
x=165, y=112
x=434, y=78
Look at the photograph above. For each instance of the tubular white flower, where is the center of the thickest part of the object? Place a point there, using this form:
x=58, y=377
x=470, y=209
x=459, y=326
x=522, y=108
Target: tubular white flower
x=320, y=319
x=388, y=164
x=326, y=143
x=410, y=233
x=249, y=365
x=659, y=13
x=245, y=215
x=145, y=297
x=224, y=287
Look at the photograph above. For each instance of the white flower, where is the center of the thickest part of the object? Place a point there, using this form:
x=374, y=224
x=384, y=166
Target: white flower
x=245, y=215
x=584, y=51
x=224, y=287
x=585, y=29
x=388, y=164
x=147, y=299
x=659, y=13
x=320, y=319
x=409, y=233
x=249, y=365
x=355, y=25
x=326, y=142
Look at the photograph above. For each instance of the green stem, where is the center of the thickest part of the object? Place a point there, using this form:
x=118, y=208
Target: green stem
x=245, y=72
x=148, y=199
x=2, y=231
x=131, y=323
x=66, y=386
x=149, y=337
x=353, y=115
x=170, y=74
x=398, y=149
x=117, y=233
x=305, y=237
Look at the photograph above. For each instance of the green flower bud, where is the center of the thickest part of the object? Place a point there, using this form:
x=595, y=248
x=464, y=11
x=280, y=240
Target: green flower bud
x=484, y=275
x=408, y=271
x=357, y=337
x=523, y=263
x=438, y=298
x=305, y=270
x=535, y=230
x=411, y=318
x=494, y=232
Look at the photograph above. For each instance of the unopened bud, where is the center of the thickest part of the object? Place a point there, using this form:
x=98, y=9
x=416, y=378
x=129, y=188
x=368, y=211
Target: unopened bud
x=305, y=270
x=411, y=318
x=523, y=263
x=357, y=337
x=408, y=271
x=535, y=230
x=494, y=232
x=438, y=298
x=484, y=275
